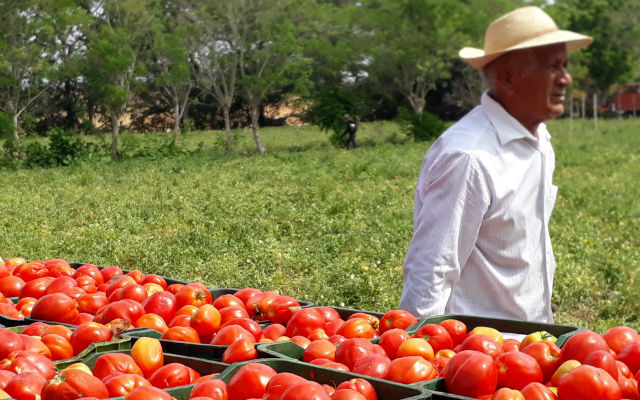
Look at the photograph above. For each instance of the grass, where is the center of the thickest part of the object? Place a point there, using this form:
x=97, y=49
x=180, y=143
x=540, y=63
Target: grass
x=318, y=223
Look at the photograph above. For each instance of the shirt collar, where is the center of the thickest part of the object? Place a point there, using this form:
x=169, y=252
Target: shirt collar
x=507, y=127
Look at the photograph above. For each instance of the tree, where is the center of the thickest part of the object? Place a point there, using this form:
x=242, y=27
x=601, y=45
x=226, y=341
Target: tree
x=23, y=70
x=115, y=57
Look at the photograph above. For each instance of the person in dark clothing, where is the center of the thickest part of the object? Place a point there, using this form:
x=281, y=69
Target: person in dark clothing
x=351, y=129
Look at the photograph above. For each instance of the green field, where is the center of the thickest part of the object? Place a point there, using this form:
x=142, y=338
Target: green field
x=316, y=222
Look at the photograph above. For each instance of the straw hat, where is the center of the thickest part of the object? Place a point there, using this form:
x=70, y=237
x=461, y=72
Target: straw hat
x=520, y=29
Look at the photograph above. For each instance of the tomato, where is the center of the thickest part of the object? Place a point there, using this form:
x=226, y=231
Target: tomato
x=280, y=383
x=516, y=369
x=89, y=270
x=118, y=283
x=86, y=283
x=457, y=330
x=587, y=382
x=61, y=284
x=281, y=309
x=319, y=349
x=155, y=278
x=35, y=328
x=193, y=294
x=5, y=377
x=252, y=326
x=410, y=369
x=536, y=337
x=581, y=344
x=148, y=355
x=26, y=386
x=137, y=275
x=10, y=341
x=317, y=334
x=206, y=321
x=274, y=331
x=437, y=336
x=182, y=334
x=151, y=321
x=227, y=300
x=507, y=394
x=73, y=384
x=161, y=303
x=126, y=309
x=547, y=355
x=232, y=312
x=488, y=331
x=90, y=303
x=108, y=273
x=620, y=336
x=74, y=292
x=36, y=287
x=357, y=327
x=148, y=392
x=122, y=385
x=30, y=271
x=303, y=321
x=249, y=381
x=59, y=346
x=351, y=350
x=257, y=304
x=88, y=333
x=510, y=345
x=180, y=320
x=109, y=363
x=471, y=373
x=300, y=341
x=55, y=307
x=246, y=293
x=214, y=389
x=347, y=394
x=537, y=391
x=27, y=361
x=58, y=267
x=362, y=386
x=482, y=343
x=415, y=347
x=174, y=287
x=172, y=375
x=229, y=334
x=605, y=360
x=34, y=344
x=10, y=286
x=10, y=311
x=240, y=350
x=630, y=355
x=562, y=370
x=374, y=365
x=401, y=319
x=308, y=390
x=57, y=329
x=134, y=292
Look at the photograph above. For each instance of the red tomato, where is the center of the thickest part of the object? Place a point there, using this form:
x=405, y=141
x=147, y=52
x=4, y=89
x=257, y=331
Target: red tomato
x=26, y=386
x=516, y=369
x=362, y=386
x=457, y=330
x=27, y=361
x=89, y=270
x=281, y=309
x=308, y=390
x=374, y=365
x=630, y=355
x=36, y=345
x=257, y=304
x=581, y=344
x=59, y=267
x=482, y=343
x=246, y=293
x=161, y=303
x=10, y=341
x=180, y=320
x=121, y=385
x=605, y=360
x=357, y=327
x=148, y=392
x=206, y=321
x=35, y=328
x=109, y=363
x=537, y=391
x=280, y=383
x=134, y=292
x=507, y=394
x=303, y=321
x=250, y=381
x=61, y=330
x=471, y=373
x=628, y=387
x=227, y=300
x=86, y=283
x=90, y=303
x=5, y=377
x=10, y=286
x=411, y=369
x=396, y=319
x=240, y=350
x=232, y=312
x=73, y=384
x=229, y=334
x=182, y=334
x=155, y=278
x=30, y=271
x=437, y=336
x=416, y=347
x=274, y=331
x=59, y=346
x=620, y=336
x=212, y=388
x=36, y=287
x=137, y=275
x=248, y=324
x=319, y=349
x=547, y=354
x=55, y=307
x=108, y=273
x=88, y=333
x=317, y=334
x=10, y=311
x=329, y=314
x=127, y=309
x=118, y=283
x=587, y=382
x=510, y=345
x=351, y=350
x=148, y=355
x=172, y=375
x=193, y=294
x=151, y=321
x=347, y=394
x=61, y=284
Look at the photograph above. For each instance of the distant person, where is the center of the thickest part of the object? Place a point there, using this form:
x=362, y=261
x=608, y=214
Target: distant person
x=350, y=129
x=484, y=196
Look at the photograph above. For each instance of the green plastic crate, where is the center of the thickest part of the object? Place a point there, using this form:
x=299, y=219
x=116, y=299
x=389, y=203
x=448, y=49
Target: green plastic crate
x=9, y=322
x=96, y=347
x=562, y=332
x=386, y=390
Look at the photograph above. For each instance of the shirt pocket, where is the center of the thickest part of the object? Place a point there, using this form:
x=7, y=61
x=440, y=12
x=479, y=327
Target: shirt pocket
x=550, y=201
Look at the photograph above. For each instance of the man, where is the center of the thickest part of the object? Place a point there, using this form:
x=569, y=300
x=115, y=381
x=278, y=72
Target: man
x=351, y=129
x=484, y=196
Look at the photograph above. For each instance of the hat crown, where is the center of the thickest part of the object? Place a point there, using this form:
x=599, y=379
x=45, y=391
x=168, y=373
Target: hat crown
x=517, y=27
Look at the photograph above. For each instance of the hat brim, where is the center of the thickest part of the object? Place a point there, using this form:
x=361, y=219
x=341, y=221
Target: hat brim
x=575, y=41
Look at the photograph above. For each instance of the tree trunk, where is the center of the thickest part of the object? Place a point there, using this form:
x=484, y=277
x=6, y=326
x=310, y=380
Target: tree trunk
x=255, y=116
x=115, y=129
x=417, y=103
x=227, y=128
x=15, y=127
x=176, y=124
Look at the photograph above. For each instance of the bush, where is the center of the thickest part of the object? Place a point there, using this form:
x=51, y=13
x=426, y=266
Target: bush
x=421, y=127
x=65, y=146
x=6, y=126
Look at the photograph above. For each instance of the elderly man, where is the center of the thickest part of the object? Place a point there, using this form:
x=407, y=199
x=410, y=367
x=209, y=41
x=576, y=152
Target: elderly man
x=484, y=196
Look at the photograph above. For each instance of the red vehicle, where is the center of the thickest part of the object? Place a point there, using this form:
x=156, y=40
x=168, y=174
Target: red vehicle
x=626, y=100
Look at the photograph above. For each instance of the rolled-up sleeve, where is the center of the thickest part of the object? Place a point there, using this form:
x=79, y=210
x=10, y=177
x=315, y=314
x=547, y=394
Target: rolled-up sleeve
x=450, y=201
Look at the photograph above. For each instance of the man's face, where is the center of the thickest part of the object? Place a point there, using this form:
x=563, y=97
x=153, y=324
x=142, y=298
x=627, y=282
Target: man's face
x=540, y=80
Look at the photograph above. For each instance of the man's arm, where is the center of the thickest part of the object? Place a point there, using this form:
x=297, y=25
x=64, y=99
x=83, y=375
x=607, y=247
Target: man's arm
x=450, y=202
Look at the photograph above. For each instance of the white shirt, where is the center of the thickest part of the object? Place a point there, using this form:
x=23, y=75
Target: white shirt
x=481, y=242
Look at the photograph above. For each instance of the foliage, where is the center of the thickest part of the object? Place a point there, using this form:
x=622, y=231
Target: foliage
x=6, y=125
x=421, y=127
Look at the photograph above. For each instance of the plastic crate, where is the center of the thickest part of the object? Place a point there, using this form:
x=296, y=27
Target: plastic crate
x=9, y=322
x=385, y=389
x=562, y=332
x=438, y=390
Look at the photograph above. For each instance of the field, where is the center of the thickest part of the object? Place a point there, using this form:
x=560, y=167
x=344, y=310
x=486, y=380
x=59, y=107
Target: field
x=315, y=222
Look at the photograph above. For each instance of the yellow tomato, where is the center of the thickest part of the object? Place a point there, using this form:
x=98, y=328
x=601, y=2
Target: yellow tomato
x=81, y=366
x=536, y=337
x=563, y=369
x=487, y=331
